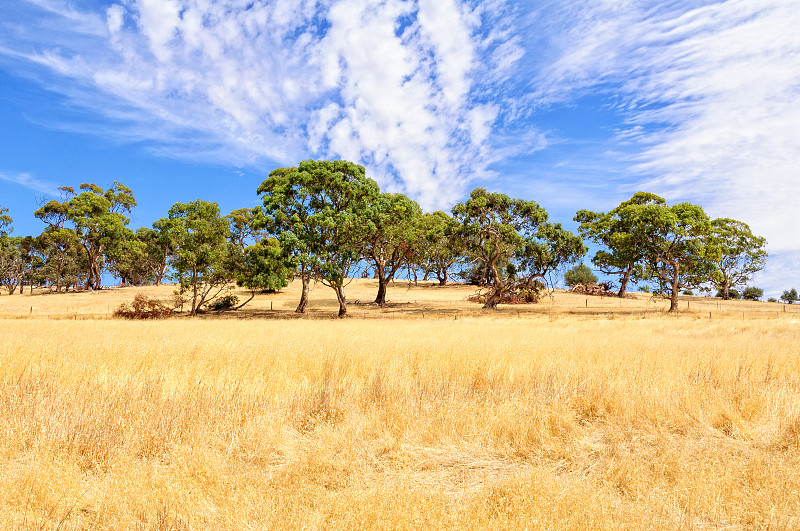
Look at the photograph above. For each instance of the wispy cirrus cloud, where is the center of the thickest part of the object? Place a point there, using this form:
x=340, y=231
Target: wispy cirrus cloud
x=29, y=181
x=399, y=85
x=708, y=94
x=710, y=97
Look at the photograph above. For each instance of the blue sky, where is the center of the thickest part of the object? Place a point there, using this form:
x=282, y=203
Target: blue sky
x=575, y=104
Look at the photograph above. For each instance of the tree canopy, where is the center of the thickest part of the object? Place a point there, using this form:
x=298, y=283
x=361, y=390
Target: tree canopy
x=512, y=239
x=319, y=211
x=95, y=216
x=205, y=262
x=580, y=274
x=741, y=254
x=621, y=239
x=392, y=232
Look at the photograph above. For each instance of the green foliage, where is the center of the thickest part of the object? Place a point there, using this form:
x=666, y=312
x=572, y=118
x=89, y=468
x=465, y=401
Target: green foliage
x=688, y=292
x=732, y=294
x=204, y=261
x=497, y=230
x=772, y=299
x=5, y=222
x=243, y=226
x=580, y=274
x=11, y=263
x=790, y=296
x=439, y=248
x=266, y=267
x=318, y=211
x=392, y=233
x=741, y=254
x=752, y=293
x=64, y=262
x=620, y=237
x=675, y=242
x=96, y=217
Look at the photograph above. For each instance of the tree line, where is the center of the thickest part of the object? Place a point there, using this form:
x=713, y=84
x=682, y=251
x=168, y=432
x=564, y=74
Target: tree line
x=326, y=221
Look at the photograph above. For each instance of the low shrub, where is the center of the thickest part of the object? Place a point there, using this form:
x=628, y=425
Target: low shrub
x=143, y=307
x=225, y=303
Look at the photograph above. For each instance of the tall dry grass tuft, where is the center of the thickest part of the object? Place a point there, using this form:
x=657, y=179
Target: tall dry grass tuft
x=538, y=422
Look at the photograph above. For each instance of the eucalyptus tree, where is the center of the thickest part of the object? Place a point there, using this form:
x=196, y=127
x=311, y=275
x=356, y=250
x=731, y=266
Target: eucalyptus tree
x=205, y=262
x=439, y=248
x=5, y=222
x=552, y=249
x=318, y=211
x=266, y=266
x=742, y=254
x=11, y=263
x=790, y=296
x=500, y=231
x=621, y=241
x=133, y=259
x=243, y=226
x=33, y=264
x=64, y=262
x=752, y=293
x=16, y=256
x=97, y=218
x=676, y=242
x=580, y=274
x=9, y=255
x=392, y=231
x=160, y=246
x=285, y=214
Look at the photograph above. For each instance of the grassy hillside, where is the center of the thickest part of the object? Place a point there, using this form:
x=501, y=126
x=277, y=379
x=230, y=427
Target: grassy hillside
x=405, y=301
x=538, y=417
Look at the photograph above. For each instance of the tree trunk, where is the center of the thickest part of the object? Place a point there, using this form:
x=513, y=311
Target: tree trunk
x=380, y=300
x=194, y=293
x=301, y=308
x=493, y=298
x=342, y=301
x=380, y=274
x=97, y=279
x=160, y=275
x=623, y=284
x=726, y=293
x=442, y=276
x=673, y=301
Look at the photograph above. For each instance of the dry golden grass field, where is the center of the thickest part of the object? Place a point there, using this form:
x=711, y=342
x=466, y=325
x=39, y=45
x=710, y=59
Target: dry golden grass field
x=430, y=414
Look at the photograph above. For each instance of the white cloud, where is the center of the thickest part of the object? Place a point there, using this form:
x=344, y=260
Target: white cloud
x=29, y=181
x=388, y=83
x=711, y=95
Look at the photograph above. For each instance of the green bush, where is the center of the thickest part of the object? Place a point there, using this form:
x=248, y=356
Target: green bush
x=732, y=293
x=580, y=274
x=790, y=296
x=752, y=293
